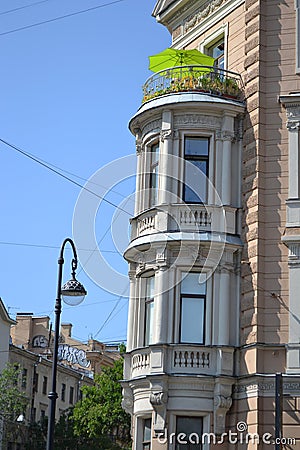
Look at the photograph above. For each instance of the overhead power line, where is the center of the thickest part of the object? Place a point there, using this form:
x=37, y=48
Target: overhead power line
x=26, y=27
x=47, y=166
x=26, y=244
x=23, y=7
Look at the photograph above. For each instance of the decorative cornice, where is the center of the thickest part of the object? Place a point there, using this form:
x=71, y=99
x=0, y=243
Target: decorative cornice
x=202, y=13
x=151, y=126
x=265, y=388
x=197, y=120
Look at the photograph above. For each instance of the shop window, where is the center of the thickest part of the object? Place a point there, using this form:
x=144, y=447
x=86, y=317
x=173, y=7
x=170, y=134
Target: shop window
x=192, y=308
x=196, y=155
x=189, y=432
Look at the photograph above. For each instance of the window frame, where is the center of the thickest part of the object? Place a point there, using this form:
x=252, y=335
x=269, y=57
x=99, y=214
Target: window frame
x=206, y=325
x=201, y=158
x=45, y=385
x=148, y=301
x=215, y=37
x=71, y=395
x=63, y=392
x=146, y=444
x=153, y=173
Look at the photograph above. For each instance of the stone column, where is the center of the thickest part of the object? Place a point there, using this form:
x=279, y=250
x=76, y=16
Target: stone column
x=131, y=310
x=224, y=307
x=226, y=171
x=138, y=183
x=161, y=300
x=218, y=172
x=227, y=137
x=165, y=151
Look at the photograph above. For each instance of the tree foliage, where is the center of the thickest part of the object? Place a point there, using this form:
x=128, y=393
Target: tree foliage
x=13, y=400
x=99, y=415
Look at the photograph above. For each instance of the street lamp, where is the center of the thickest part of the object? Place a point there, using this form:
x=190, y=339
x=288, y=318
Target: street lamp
x=73, y=294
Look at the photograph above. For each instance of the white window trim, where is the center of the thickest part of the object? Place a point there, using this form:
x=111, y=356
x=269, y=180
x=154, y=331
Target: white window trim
x=211, y=163
x=214, y=37
x=147, y=171
x=207, y=310
x=139, y=430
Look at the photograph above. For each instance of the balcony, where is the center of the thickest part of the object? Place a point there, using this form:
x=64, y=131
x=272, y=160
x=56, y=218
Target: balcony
x=180, y=359
x=186, y=218
x=201, y=79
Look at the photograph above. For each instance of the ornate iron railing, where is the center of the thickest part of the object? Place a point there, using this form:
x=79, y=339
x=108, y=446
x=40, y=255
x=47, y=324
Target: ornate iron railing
x=212, y=80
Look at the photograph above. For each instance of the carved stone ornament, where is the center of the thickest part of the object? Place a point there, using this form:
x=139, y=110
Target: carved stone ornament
x=138, y=146
x=165, y=134
x=293, y=125
x=197, y=120
x=294, y=254
x=158, y=398
x=202, y=13
x=159, y=402
x=221, y=406
x=151, y=126
x=127, y=402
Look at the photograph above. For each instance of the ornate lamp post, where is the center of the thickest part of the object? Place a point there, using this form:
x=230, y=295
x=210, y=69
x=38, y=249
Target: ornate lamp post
x=73, y=294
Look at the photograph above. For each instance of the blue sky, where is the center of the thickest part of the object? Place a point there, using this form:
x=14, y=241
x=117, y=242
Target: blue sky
x=68, y=90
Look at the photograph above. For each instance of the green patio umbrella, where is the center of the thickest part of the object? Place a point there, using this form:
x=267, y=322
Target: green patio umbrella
x=171, y=57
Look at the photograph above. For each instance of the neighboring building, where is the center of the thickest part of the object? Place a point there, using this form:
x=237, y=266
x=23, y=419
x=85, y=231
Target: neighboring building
x=34, y=333
x=214, y=266
x=5, y=324
x=36, y=382
x=32, y=344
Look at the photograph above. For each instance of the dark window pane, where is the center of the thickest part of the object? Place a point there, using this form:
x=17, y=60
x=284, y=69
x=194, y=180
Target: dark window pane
x=192, y=428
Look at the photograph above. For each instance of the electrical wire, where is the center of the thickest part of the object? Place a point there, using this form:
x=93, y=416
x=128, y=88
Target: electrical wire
x=23, y=7
x=110, y=314
x=112, y=204
x=26, y=27
x=24, y=244
x=23, y=152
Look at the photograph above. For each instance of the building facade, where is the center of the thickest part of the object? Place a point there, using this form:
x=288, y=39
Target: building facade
x=214, y=256
x=5, y=324
x=32, y=343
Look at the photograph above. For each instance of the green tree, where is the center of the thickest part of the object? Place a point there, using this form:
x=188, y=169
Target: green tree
x=13, y=401
x=99, y=416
